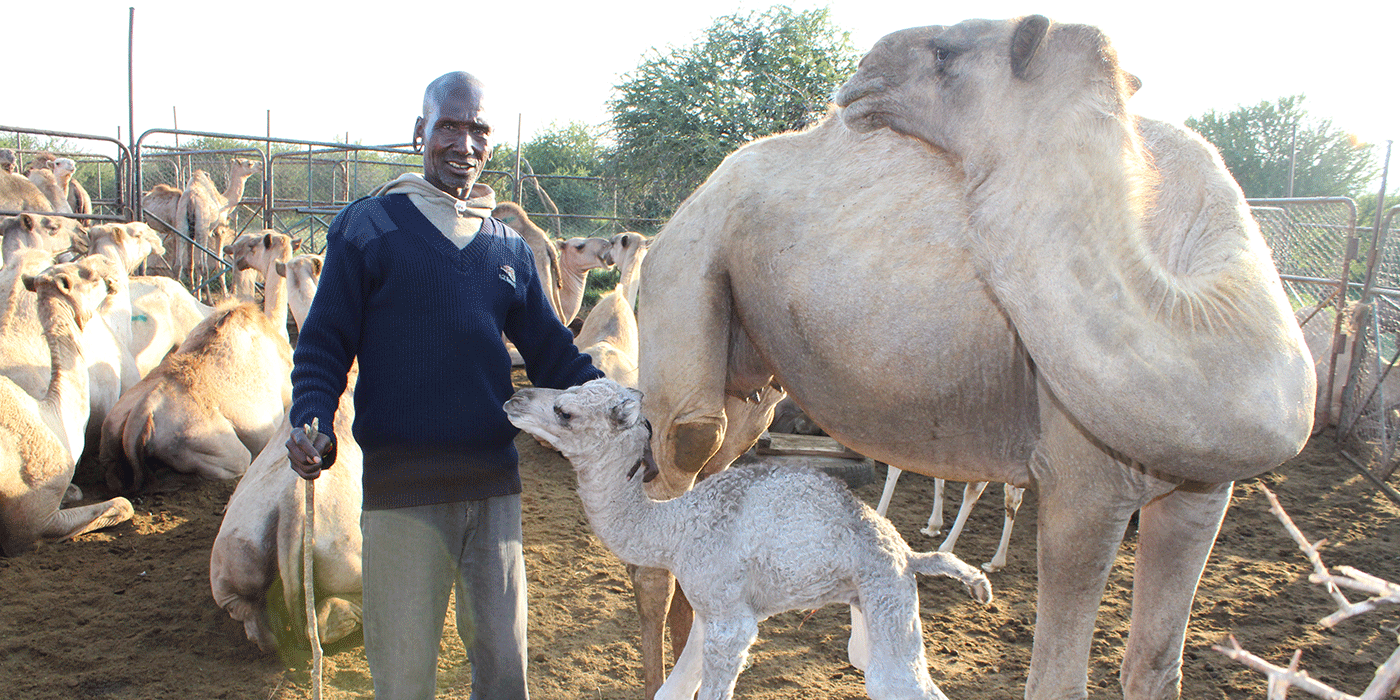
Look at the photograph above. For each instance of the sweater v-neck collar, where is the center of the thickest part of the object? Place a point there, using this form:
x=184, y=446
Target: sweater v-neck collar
x=407, y=217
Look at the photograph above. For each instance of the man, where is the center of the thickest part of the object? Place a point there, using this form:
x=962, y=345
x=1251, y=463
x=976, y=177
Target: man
x=418, y=285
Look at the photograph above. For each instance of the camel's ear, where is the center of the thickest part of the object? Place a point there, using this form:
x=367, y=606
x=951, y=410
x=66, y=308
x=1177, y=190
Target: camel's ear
x=267, y=240
x=1133, y=82
x=627, y=412
x=28, y=281
x=281, y=268
x=296, y=244
x=316, y=264
x=1025, y=44
x=81, y=241
x=30, y=223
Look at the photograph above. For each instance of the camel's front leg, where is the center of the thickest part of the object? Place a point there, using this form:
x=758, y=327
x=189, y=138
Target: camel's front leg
x=1076, y=546
x=651, y=589
x=1175, y=537
x=685, y=676
x=726, y=649
x=1085, y=500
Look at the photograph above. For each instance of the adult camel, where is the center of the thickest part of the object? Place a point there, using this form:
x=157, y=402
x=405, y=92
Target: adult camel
x=1057, y=295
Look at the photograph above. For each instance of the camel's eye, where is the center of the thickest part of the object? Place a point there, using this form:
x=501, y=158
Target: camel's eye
x=941, y=56
x=563, y=415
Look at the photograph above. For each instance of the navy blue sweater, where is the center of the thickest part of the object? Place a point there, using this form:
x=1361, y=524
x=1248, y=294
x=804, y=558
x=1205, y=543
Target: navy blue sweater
x=425, y=321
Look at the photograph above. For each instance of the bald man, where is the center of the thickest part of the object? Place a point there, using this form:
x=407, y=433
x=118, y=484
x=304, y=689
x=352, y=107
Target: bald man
x=418, y=283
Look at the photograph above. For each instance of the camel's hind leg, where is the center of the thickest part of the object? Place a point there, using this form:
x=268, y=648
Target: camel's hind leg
x=1175, y=537
x=897, y=667
x=971, y=493
x=1011, y=504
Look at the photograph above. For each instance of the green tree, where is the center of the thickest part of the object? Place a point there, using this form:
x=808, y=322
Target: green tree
x=1256, y=143
x=559, y=156
x=680, y=113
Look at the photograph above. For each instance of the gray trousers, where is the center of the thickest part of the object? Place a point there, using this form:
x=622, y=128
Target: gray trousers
x=412, y=558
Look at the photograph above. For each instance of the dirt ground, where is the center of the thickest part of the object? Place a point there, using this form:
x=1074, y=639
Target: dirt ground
x=126, y=613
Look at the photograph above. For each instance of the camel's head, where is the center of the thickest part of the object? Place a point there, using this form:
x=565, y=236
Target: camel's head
x=52, y=233
x=627, y=247
x=43, y=160
x=243, y=167
x=64, y=167
x=600, y=421
x=985, y=83
x=581, y=254
x=513, y=215
x=128, y=243
x=7, y=160
x=255, y=251
x=305, y=267
x=79, y=287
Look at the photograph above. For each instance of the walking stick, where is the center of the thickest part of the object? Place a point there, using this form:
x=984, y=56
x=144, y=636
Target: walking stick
x=308, y=582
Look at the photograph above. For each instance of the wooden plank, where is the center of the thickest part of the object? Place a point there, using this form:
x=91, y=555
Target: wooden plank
x=803, y=445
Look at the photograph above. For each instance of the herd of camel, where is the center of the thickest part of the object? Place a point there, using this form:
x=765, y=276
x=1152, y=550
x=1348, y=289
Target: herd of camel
x=121, y=378
x=981, y=266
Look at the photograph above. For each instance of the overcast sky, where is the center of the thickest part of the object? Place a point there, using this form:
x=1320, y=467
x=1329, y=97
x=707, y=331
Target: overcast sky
x=327, y=69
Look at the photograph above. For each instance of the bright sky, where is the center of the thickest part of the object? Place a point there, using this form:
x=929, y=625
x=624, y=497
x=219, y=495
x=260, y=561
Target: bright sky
x=324, y=69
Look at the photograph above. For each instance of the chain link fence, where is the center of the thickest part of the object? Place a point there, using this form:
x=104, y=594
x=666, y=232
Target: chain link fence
x=1345, y=292
x=1368, y=428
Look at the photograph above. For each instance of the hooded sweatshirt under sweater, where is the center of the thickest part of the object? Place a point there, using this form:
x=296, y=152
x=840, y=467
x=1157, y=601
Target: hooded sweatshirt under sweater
x=425, y=317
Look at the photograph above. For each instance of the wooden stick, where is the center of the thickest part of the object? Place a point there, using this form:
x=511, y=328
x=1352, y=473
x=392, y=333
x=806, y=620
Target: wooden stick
x=308, y=581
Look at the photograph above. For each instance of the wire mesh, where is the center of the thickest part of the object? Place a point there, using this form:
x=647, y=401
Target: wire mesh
x=177, y=168
x=1313, y=241
x=1368, y=428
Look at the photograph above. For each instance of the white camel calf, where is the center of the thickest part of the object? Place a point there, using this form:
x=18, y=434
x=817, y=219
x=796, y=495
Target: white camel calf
x=745, y=544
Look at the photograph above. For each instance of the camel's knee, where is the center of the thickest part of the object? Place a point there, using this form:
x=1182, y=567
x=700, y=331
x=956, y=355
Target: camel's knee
x=337, y=617
x=685, y=450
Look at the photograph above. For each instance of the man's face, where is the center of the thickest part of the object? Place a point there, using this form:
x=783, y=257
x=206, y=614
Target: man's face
x=456, y=142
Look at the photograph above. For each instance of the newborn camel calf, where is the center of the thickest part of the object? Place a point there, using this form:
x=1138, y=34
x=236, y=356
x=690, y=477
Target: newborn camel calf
x=746, y=543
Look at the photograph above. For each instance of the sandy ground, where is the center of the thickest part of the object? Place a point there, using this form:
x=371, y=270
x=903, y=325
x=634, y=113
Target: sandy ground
x=126, y=613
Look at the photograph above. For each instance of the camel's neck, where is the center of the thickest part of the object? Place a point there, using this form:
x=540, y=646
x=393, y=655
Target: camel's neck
x=1076, y=205
x=619, y=511
x=571, y=287
x=48, y=185
x=299, y=298
x=116, y=308
x=627, y=282
x=275, y=296
x=233, y=194
x=66, y=405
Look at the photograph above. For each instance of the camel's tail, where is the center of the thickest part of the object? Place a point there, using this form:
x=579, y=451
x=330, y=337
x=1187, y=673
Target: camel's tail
x=123, y=457
x=948, y=564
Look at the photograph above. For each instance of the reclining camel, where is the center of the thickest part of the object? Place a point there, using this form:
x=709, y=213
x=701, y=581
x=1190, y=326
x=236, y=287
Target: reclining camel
x=259, y=545
x=257, y=554
x=46, y=435
x=163, y=312
x=214, y=402
x=1040, y=320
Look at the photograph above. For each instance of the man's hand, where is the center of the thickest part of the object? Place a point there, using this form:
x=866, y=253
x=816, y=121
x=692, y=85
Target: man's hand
x=306, y=450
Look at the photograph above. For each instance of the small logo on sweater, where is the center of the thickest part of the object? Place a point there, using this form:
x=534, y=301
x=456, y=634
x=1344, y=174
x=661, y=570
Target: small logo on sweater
x=508, y=274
